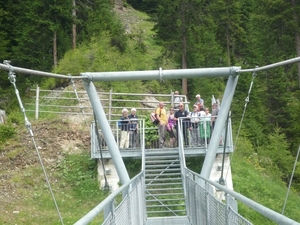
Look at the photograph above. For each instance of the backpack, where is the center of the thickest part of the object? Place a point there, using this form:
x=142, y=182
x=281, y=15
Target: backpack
x=153, y=118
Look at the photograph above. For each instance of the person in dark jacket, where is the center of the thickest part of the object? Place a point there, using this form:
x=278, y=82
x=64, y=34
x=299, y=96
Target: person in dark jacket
x=124, y=125
x=185, y=122
x=133, y=128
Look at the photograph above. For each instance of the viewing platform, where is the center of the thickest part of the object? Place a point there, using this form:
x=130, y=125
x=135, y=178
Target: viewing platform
x=150, y=143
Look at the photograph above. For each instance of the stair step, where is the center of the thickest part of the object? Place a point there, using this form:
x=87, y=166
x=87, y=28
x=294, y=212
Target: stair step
x=163, y=184
x=162, y=174
x=164, y=189
x=165, y=194
x=159, y=170
x=169, y=205
x=166, y=160
x=164, y=211
x=162, y=165
x=163, y=179
x=165, y=199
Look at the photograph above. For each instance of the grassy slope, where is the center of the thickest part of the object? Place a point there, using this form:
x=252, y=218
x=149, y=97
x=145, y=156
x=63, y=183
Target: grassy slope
x=255, y=183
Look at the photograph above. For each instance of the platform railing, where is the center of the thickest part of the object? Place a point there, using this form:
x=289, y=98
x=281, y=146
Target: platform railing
x=148, y=137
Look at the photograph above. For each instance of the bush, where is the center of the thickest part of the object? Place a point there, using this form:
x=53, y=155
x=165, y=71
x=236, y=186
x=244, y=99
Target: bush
x=6, y=132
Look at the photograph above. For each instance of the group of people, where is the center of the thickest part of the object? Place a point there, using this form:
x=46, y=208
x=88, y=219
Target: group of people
x=200, y=123
x=129, y=129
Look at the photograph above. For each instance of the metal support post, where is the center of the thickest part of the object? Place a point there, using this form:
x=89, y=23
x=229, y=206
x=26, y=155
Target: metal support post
x=37, y=102
x=107, y=133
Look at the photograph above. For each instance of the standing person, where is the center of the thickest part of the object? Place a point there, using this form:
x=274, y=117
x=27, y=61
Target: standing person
x=185, y=122
x=202, y=126
x=194, y=126
x=199, y=102
x=214, y=114
x=177, y=99
x=124, y=124
x=206, y=123
x=171, y=127
x=133, y=127
x=161, y=115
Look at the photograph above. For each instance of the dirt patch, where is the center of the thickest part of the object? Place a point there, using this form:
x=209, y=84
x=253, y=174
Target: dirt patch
x=53, y=140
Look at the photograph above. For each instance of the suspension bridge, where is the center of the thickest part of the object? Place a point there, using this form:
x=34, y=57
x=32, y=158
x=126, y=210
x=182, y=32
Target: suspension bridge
x=165, y=191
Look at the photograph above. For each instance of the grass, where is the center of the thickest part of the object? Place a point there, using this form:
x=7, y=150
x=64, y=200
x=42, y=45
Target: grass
x=261, y=187
x=75, y=187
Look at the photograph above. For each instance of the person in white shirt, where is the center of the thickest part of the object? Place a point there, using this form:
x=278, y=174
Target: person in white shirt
x=194, y=129
x=177, y=99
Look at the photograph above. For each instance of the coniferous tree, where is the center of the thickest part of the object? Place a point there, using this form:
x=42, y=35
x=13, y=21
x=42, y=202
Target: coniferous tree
x=227, y=14
x=183, y=27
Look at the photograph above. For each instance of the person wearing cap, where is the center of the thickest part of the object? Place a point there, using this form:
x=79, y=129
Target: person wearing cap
x=133, y=127
x=199, y=102
x=124, y=125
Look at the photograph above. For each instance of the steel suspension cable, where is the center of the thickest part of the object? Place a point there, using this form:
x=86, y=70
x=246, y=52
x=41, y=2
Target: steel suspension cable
x=78, y=99
x=12, y=78
x=106, y=185
x=290, y=183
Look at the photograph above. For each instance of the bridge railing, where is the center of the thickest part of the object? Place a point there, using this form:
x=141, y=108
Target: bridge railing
x=204, y=208
x=131, y=209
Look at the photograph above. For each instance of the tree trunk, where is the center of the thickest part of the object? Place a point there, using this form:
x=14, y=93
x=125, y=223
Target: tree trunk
x=228, y=40
x=184, y=64
x=184, y=58
x=54, y=49
x=74, y=25
x=297, y=38
x=298, y=54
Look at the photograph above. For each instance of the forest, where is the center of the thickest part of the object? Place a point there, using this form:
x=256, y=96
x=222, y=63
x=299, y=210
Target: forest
x=86, y=35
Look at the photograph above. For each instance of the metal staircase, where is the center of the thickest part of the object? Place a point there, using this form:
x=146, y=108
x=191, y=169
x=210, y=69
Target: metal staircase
x=163, y=184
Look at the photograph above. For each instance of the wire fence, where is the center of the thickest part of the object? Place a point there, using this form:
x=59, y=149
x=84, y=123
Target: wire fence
x=72, y=102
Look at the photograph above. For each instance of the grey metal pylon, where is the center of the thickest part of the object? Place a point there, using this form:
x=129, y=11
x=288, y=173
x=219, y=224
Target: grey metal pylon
x=107, y=134
x=217, y=132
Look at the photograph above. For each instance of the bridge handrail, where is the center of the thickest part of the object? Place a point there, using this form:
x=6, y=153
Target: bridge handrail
x=269, y=213
x=110, y=200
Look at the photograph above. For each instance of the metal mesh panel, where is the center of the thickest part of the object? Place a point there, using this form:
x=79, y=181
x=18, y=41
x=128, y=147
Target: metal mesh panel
x=235, y=218
x=196, y=199
x=109, y=220
x=205, y=209
x=131, y=210
x=216, y=210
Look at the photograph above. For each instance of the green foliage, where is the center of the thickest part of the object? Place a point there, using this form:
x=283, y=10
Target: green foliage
x=6, y=132
x=80, y=172
x=275, y=157
x=151, y=134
